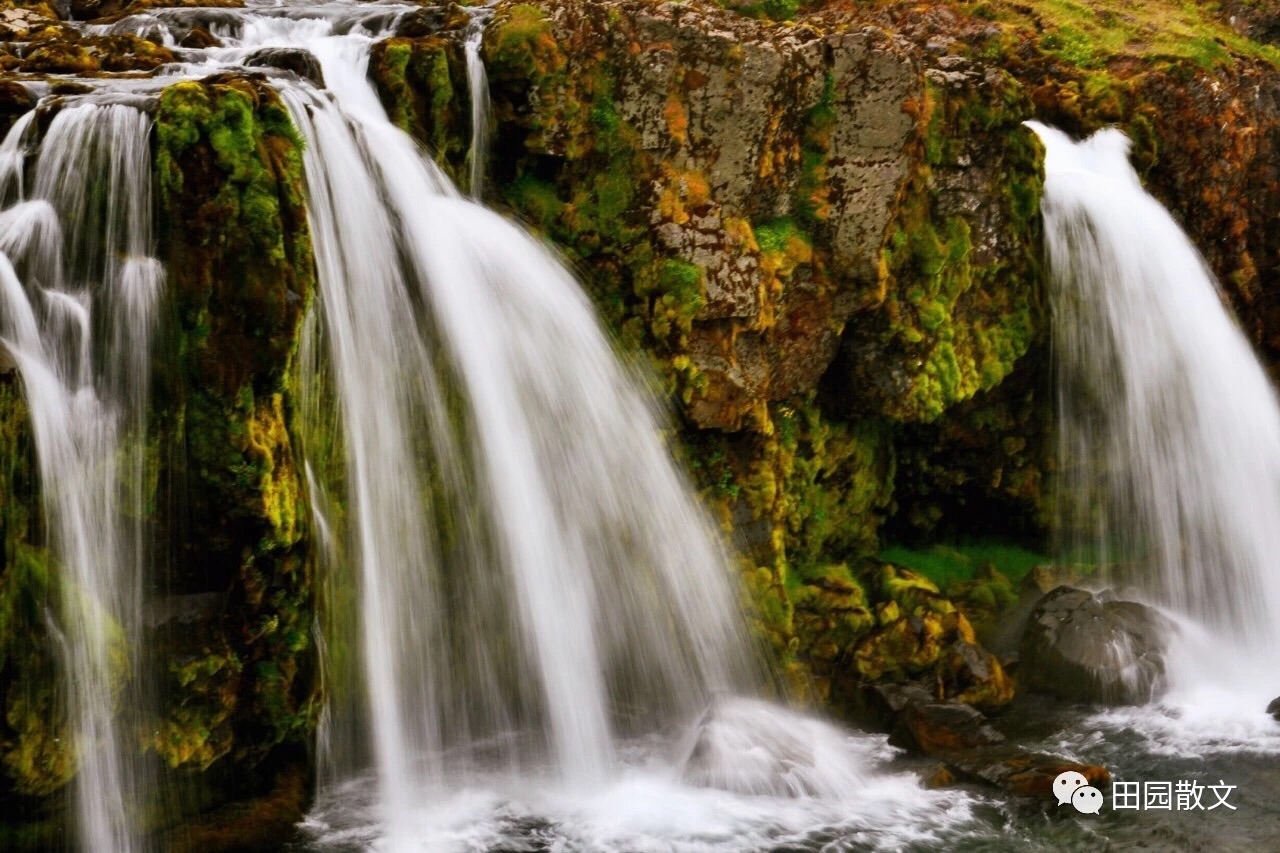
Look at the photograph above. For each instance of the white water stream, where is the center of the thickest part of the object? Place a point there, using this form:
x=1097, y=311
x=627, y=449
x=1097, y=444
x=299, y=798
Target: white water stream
x=78, y=291
x=533, y=630
x=1170, y=442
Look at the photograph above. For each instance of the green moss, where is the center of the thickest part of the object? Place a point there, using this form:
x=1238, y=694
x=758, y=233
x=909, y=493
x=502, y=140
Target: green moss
x=241, y=278
x=1089, y=33
x=423, y=95
x=946, y=564
x=36, y=746
x=775, y=10
x=960, y=327
x=811, y=199
x=677, y=296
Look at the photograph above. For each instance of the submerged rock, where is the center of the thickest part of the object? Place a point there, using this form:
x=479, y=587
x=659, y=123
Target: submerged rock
x=1022, y=773
x=1088, y=647
x=967, y=743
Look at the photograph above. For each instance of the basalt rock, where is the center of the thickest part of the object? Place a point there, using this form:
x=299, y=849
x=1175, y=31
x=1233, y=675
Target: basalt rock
x=1088, y=647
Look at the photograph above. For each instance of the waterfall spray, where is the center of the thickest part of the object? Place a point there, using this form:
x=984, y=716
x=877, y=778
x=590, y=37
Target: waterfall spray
x=1170, y=429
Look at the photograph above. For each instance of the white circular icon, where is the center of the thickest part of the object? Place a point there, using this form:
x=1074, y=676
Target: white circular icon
x=1087, y=800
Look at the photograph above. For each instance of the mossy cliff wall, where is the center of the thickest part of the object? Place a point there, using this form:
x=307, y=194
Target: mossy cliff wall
x=824, y=243
x=241, y=683
x=228, y=650
x=816, y=221
x=823, y=234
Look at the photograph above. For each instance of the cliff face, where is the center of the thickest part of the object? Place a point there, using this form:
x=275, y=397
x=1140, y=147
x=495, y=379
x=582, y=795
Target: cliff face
x=823, y=234
x=822, y=237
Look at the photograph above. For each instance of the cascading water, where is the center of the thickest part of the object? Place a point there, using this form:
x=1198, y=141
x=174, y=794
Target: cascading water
x=577, y=568
x=1170, y=429
x=526, y=607
x=478, y=88
x=544, y=587
x=79, y=294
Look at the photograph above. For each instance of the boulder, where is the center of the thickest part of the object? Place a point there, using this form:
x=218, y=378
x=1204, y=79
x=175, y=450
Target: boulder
x=301, y=62
x=1088, y=647
x=1274, y=708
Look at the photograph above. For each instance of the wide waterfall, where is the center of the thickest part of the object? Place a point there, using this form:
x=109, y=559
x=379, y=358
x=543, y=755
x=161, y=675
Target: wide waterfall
x=1169, y=426
x=528, y=620
x=77, y=311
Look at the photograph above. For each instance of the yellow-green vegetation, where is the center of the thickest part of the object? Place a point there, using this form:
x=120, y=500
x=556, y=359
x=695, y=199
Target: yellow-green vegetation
x=982, y=579
x=884, y=623
x=424, y=94
x=946, y=564
x=775, y=10
x=241, y=276
x=37, y=749
x=1089, y=33
x=589, y=207
x=963, y=324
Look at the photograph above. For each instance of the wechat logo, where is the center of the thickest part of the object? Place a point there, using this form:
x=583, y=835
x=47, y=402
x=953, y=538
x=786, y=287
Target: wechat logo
x=1072, y=787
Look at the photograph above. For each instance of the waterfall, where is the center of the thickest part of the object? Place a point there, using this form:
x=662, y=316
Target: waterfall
x=554, y=564
x=478, y=88
x=524, y=602
x=1169, y=427
x=79, y=295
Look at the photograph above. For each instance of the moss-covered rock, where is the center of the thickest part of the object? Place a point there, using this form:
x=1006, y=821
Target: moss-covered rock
x=886, y=624
x=37, y=756
x=423, y=85
x=72, y=53
x=238, y=673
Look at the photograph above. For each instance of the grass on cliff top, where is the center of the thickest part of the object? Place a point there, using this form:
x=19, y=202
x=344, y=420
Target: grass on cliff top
x=1088, y=33
x=943, y=564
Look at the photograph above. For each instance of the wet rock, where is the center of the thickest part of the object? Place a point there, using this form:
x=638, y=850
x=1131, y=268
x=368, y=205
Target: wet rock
x=763, y=165
x=21, y=24
x=431, y=20
x=1274, y=708
x=301, y=62
x=969, y=746
x=70, y=87
x=937, y=728
x=199, y=38
x=941, y=777
x=1088, y=647
x=1022, y=773
x=90, y=54
x=15, y=99
x=921, y=632
x=1042, y=580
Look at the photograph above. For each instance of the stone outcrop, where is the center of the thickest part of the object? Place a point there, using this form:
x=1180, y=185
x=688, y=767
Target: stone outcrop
x=1087, y=647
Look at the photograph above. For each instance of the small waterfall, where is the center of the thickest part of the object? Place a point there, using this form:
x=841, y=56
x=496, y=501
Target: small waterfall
x=1170, y=429
x=478, y=86
x=79, y=295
